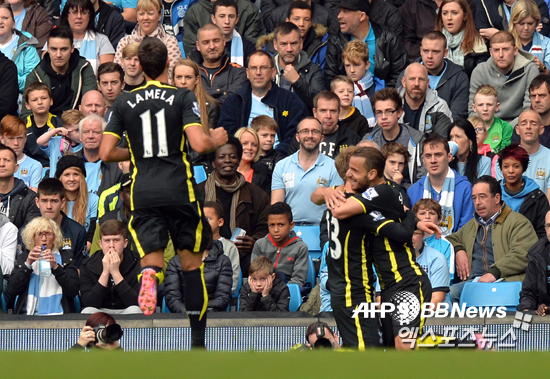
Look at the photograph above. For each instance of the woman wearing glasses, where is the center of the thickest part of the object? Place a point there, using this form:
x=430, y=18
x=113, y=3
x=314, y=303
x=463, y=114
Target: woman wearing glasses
x=44, y=278
x=79, y=16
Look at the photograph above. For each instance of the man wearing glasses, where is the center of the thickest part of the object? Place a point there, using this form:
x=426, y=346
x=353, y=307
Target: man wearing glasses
x=261, y=96
x=297, y=176
x=388, y=109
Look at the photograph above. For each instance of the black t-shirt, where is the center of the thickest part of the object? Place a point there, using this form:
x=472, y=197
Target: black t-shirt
x=211, y=71
x=154, y=119
x=167, y=20
x=130, y=88
x=328, y=146
x=225, y=198
x=412, y=117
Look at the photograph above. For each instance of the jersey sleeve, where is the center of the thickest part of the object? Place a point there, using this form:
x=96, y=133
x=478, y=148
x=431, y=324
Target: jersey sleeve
x=115, y=126
x=190, y=111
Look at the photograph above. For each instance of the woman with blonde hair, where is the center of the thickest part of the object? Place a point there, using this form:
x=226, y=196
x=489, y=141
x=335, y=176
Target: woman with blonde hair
x=253, y=171
x=524, y=20
x=81, y=205
x=44, y=278
x=466, y=46
x=186, y=74
x=149, y=15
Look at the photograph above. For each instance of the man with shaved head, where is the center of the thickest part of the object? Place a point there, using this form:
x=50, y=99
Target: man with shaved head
x=219, y=76
x=423, y=110
x=529, y=129
x=93, y=102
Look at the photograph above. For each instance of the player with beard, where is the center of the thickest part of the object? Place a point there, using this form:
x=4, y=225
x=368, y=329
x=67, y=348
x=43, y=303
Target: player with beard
x=365, y=238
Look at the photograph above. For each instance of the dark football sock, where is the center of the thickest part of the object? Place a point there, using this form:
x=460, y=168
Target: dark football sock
x=196, y=302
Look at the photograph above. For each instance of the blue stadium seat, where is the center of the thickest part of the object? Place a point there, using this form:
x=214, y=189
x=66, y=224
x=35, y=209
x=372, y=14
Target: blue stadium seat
x=295, y=297
x=164, y=308
x=311, y=273
x=4, y=303
x=199, y=173
x=77, y=305
x=501, y=294
x=239, y=285
x=310, y=235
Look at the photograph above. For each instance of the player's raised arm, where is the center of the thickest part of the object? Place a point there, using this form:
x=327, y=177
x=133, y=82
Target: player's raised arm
x=203, y=143
x=110, y=152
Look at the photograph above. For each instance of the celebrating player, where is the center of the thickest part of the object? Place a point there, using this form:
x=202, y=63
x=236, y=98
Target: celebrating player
x=157, y=119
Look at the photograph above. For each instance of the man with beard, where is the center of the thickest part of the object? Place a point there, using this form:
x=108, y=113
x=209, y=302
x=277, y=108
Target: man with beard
x=219, y=76
x=295, y=72
x=423, y=109
x=297, y=176
x=326, y=107
x=365, y=229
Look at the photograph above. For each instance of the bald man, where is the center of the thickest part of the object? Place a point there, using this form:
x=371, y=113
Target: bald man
x=93, y=102
x=529, y=129
x=423, y=109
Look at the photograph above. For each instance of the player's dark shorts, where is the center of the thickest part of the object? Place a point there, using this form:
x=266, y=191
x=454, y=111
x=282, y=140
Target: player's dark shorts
x=359, y=332
x=408, y=295
x=186, y=224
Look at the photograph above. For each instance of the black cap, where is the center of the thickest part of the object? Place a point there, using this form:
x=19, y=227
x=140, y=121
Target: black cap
x=126, y=180
x=69, y=161
x=356, y=5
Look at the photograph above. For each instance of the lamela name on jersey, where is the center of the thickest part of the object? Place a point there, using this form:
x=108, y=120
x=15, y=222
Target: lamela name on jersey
x=157, y=94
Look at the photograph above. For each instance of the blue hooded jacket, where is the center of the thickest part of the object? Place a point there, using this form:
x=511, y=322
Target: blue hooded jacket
x=514, y=202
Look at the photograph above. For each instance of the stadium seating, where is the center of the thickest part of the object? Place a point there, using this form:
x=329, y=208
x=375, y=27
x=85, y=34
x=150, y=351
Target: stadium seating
x=4, y=303
x=311, y=273
x=505, y=294
x=295, y=297
x=199, y=173
x=164, y=308
x=310, y=235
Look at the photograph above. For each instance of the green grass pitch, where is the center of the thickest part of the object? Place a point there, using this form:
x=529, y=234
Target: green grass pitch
x=442, y=364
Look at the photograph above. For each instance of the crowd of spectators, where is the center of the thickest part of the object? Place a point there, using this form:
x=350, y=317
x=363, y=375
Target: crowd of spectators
x=295, y=83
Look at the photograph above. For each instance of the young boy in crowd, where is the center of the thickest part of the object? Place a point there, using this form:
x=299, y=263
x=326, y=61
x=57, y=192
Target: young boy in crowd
x=435, y=265
x=356, y=62
x=288, y=252
x=38, y=99
x=430, y=210
x=397, y=158
x=349, y=117
x=486, y=104
x=265, y=289
x=56, y=142
x=14, y=134
x=482, y=147
x=213, y=211
x=133, y=74
x=266, y=127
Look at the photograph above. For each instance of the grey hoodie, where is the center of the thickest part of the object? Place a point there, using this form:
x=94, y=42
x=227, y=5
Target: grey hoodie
x=435, y=117
x=292, y=259
x=513, y=91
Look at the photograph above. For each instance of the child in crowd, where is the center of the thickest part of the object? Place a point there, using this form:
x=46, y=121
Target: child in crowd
x=482, y=147
x=397, y=158
x=38, y=99
x=430, y=210
x=14, y=134
x=435, y=265
x=133, y=74
x=288, y=252
x=265, y=289
x=356, y=62
x=485, y=104
x=68, y=139
x=213, y=211
x=266, y=127
x=349, y=117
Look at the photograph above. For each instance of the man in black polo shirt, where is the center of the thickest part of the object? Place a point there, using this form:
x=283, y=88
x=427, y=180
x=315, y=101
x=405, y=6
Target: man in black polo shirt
x=50, y=200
